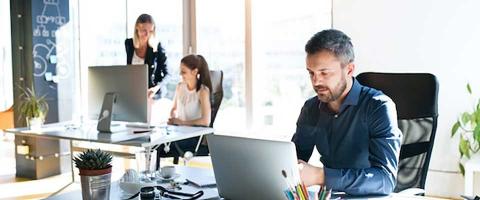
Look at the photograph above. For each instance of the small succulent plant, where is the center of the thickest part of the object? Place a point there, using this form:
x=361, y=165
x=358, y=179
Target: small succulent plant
x=93, y=160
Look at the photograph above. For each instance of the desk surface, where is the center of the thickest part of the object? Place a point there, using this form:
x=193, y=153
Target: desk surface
x=73, y=191
x=160, y=135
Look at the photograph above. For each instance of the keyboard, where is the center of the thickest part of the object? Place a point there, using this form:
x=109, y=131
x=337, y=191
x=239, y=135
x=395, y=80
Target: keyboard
x=139, y=125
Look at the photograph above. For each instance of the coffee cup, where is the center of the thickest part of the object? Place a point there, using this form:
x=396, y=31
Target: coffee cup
x=167, y=172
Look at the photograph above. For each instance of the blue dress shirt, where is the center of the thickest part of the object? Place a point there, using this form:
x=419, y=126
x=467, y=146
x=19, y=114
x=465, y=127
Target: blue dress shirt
x=359, y=145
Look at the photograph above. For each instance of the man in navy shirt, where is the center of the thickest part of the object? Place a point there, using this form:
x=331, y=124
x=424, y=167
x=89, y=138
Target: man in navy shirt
x=353, y=127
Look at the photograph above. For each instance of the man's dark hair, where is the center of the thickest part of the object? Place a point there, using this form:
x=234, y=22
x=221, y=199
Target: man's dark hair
x=334, y=41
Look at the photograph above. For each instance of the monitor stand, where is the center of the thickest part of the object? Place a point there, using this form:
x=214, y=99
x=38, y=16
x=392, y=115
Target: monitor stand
x=104, y=124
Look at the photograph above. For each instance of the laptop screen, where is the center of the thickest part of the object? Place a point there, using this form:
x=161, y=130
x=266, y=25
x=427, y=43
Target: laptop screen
x=247, y=168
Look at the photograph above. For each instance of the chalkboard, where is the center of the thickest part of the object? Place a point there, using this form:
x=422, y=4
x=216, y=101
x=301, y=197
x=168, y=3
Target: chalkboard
x=47, y=17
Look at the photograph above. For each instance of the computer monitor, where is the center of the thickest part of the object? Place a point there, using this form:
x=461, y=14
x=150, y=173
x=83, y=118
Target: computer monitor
x=128, y=82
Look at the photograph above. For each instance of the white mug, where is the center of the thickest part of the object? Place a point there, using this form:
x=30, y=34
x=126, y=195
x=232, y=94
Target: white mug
x=167, y=172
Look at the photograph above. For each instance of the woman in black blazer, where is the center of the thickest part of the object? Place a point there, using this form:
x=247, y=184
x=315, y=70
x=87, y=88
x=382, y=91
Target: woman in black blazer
x=142, y=50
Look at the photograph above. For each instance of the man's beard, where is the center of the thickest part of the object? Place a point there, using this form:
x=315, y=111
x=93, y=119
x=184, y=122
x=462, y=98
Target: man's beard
x=332, y=95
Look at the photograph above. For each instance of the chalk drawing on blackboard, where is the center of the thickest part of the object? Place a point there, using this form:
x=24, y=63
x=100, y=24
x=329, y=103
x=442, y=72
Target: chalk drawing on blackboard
x=41, y=52
x=43, y=19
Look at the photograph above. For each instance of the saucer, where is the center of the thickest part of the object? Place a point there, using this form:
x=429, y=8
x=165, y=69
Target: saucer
x=175, y=176
x=130, y=187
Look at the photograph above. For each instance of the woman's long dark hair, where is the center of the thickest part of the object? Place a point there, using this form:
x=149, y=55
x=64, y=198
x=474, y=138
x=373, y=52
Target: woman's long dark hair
x=193, y=62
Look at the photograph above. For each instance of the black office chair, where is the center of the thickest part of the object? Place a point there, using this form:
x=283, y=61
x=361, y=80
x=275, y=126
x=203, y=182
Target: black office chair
x=180, y=147
x=416, y=99
x=217, y=93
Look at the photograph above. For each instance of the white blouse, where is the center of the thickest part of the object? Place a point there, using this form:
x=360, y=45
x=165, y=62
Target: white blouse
x=136, y=60
x=188, y=102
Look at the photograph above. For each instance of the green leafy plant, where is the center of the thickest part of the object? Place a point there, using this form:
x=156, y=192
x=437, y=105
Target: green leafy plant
x=93, y=160
x=468, y=127
x=32, y=106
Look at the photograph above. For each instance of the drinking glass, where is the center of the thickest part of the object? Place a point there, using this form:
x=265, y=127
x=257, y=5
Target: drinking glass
x=146, y=163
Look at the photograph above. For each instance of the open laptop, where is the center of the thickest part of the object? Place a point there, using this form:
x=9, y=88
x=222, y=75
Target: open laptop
x=247, y=168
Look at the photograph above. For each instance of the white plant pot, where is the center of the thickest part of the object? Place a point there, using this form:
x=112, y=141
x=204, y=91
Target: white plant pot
x=35, y=123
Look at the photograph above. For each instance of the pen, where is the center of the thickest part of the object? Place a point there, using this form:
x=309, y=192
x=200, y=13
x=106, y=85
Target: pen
x=302, y=193
x=324, y=192
x=320, y=192
x=141, y=131
x=329, y=194
x=304, y=190
x=289, y=195
x=290, y=186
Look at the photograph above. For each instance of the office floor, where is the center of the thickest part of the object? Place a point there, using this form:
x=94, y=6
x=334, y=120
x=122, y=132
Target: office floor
x=12, y=187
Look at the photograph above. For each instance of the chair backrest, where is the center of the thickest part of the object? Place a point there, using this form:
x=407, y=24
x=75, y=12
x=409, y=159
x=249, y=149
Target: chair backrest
x=216, y=77
x=416, y=98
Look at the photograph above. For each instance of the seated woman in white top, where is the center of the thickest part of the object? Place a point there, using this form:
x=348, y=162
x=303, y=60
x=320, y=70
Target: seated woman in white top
x=191, y=104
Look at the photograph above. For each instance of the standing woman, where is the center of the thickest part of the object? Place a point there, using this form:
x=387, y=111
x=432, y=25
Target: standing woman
x=142, y=50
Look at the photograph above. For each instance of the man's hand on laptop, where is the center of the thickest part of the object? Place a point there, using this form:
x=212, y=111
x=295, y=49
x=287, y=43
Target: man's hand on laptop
x=310, y=174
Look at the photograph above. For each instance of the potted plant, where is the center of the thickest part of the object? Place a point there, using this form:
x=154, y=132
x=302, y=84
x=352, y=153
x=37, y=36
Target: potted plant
x=468, y=127
x=32, y=107
x=95, y=173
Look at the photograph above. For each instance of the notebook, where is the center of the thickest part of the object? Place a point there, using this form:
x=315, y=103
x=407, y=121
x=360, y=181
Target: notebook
x=202, y=181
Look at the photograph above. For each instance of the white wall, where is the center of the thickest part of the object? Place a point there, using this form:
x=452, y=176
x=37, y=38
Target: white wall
x=6, y=87
x=441, y=37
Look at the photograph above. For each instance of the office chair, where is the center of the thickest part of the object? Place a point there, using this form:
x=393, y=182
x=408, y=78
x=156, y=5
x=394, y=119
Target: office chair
x=216, y=76
x=416, y=98
x=179, y=147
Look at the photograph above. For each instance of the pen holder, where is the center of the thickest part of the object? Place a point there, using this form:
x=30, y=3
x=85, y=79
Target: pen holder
x=299, y=192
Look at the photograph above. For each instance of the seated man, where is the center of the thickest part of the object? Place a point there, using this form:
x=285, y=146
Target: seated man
x=353, y=127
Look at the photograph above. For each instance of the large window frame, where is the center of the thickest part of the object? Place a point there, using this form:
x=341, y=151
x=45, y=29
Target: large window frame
x=189, y=42
x=190, y=33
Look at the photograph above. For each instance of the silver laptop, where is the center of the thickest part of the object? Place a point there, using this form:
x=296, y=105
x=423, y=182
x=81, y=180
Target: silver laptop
x=247, y=168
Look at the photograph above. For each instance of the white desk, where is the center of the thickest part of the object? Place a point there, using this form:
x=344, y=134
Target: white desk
x=64, y=130
x=73, y=191
x=88, y=132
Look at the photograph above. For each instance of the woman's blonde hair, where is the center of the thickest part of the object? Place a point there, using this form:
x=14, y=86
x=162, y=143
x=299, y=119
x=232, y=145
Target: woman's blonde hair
x=144, y=18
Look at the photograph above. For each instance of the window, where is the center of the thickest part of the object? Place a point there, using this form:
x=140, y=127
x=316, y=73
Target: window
x=280, y=81
x=6, y=89
x=66, y=48
x=221, y=40
x=102, y=37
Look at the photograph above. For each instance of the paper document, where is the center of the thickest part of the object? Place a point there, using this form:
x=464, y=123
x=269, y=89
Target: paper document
x=202, y=181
